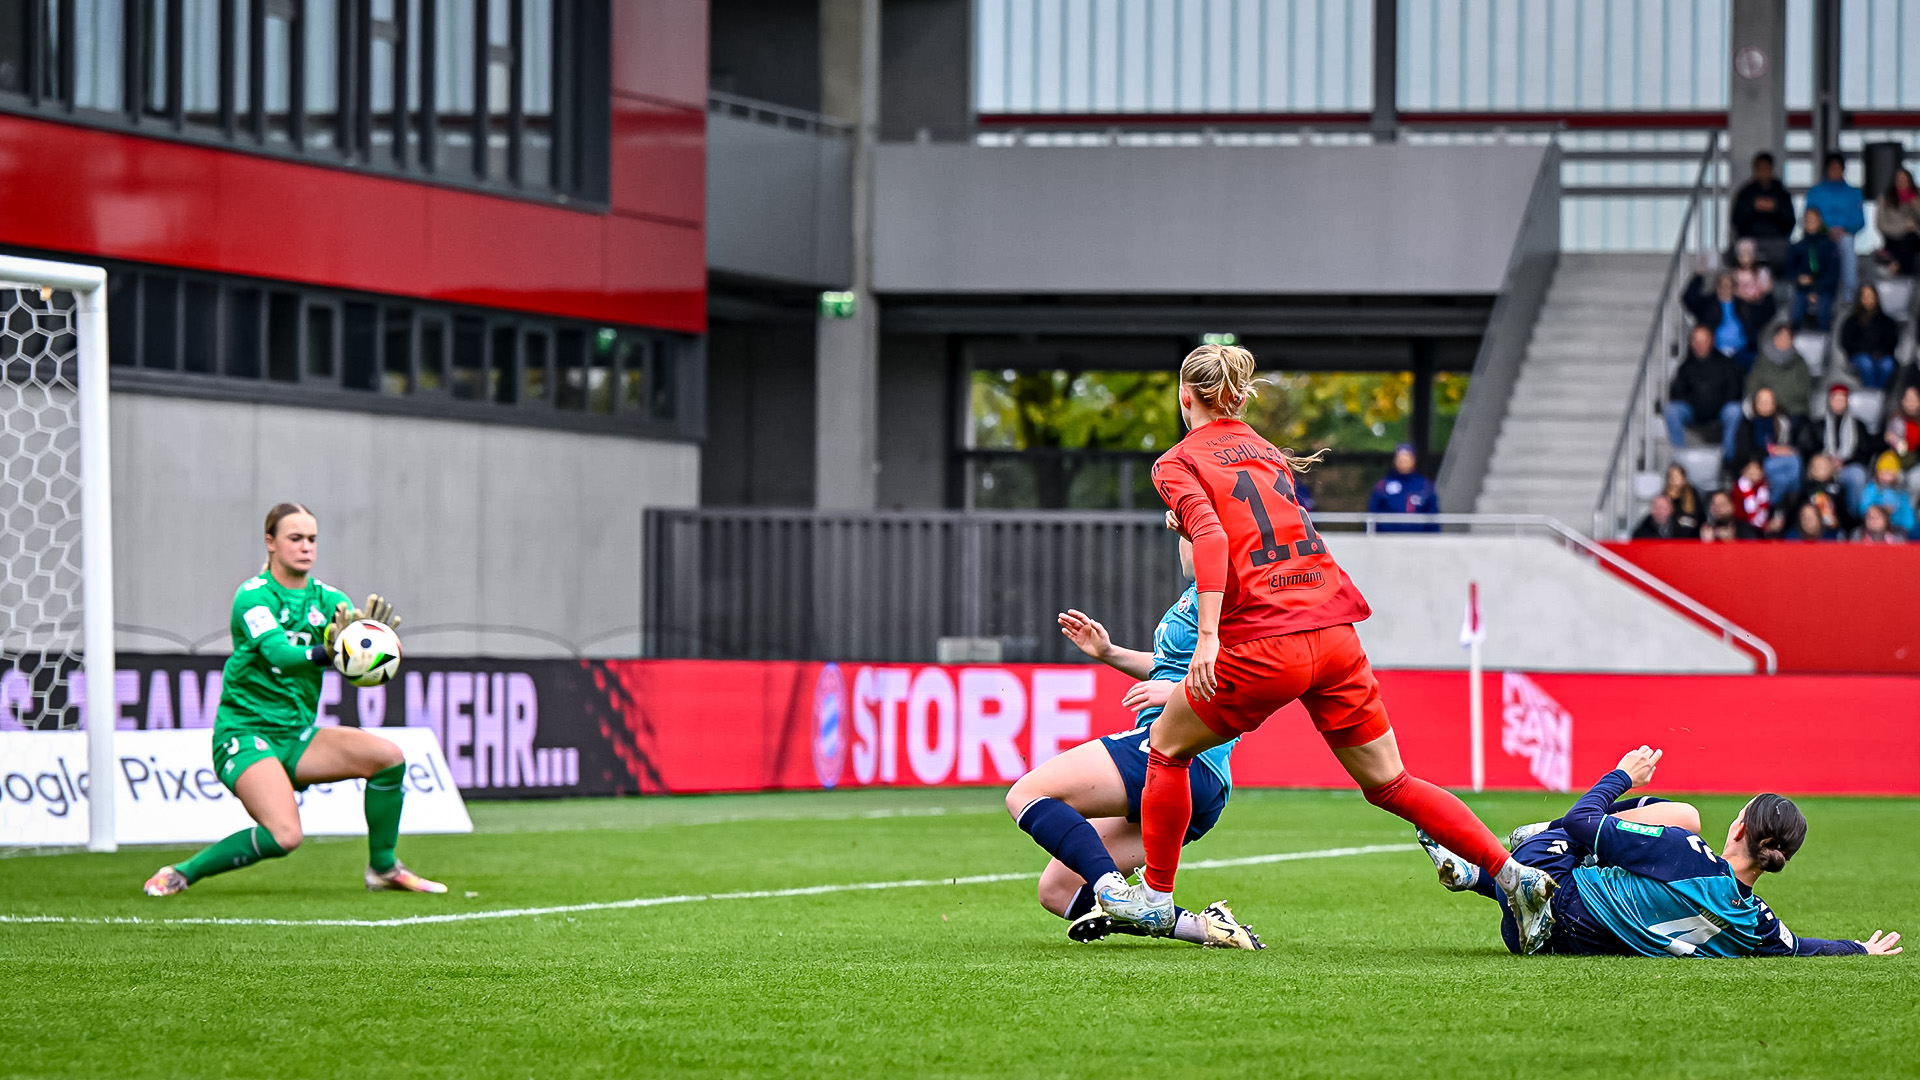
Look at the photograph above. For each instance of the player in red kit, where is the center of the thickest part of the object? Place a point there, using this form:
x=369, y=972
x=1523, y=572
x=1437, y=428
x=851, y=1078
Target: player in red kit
x=1276, y=624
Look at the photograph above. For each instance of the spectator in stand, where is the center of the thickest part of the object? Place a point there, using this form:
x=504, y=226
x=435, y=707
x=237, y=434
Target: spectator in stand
x=1753, y=499
x=1659, y=524
x=1808, y=525
x=1841, y=436
x=1405, y=491
x=1827, y=497
x=1723, y=524
x=1841, y=208
x=1735, y=322
x=1763, y=211
x=1813, y=265
x=1767, y=437
x=1752, y=281
x=1868, y=338
x=1688, y=510
x=1896, y=215
x=1889, y=494
x=1878, y=528
x=1782, y=370
x=1704, y=392
x=1903, y=435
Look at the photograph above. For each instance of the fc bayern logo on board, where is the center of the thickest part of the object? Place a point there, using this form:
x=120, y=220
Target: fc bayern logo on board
x=829, y=725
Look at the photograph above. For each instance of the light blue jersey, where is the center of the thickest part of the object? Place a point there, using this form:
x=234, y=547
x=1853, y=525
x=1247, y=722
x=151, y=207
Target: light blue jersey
x=1173, y=643
x=1665, y=892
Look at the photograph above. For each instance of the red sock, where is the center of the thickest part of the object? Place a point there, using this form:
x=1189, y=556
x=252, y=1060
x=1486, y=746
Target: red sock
x=1166, y=809
x=1441, y=815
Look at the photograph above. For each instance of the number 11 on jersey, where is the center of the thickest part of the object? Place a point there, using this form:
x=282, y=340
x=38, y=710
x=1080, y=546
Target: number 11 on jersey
x=1273, y=549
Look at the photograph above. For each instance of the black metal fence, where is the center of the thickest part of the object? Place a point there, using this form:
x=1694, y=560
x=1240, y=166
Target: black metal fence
x=821, y=585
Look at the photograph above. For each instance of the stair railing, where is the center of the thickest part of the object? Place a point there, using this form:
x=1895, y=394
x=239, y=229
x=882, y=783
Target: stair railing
x=1642, y=447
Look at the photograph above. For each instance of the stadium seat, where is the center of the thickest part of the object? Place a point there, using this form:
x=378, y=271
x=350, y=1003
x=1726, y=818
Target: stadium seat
x=1896, y=297
x=1812, y=348
x=1868, y=406
x=1646, y=485
x=1702, y=464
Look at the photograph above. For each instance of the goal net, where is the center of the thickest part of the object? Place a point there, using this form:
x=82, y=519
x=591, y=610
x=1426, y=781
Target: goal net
x=56, y=569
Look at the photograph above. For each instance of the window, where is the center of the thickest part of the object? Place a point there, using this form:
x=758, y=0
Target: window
x=296, y=344
x=499, y=93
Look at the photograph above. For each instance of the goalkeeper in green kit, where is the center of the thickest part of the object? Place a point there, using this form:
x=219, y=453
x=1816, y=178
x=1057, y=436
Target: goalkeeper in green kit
x=266, y=744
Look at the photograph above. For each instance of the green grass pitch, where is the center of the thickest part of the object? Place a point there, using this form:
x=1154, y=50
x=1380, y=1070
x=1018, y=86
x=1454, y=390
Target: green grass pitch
x=1371, y=970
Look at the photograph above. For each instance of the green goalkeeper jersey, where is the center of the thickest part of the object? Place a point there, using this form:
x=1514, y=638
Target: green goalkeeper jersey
x=271, y=684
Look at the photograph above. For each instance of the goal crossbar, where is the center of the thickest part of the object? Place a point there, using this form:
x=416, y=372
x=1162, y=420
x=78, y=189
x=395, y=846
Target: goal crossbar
x=88, y=284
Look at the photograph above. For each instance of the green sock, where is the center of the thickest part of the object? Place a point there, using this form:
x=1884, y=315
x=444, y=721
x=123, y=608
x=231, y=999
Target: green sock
x=386, y=791
x=244, y=848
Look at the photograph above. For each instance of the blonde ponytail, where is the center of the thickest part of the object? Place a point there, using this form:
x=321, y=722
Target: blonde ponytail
x=1222, y=378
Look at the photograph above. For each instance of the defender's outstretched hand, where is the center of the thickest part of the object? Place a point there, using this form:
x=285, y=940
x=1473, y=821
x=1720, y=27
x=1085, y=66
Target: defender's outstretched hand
x=380, y=611
x=1640, y=764
x=1086, y=634
x=1878, y=945
x=1148, y=694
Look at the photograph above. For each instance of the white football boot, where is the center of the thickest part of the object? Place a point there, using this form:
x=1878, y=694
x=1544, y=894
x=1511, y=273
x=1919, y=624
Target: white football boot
x=401, y=879
x=1226, y=932
x=1531, y=902
x=166, y=881
x=1130, y=904
x=1456, y=873
x=1525, y=833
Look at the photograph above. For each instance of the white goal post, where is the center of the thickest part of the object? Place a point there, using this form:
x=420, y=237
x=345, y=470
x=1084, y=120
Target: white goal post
x=53, y=379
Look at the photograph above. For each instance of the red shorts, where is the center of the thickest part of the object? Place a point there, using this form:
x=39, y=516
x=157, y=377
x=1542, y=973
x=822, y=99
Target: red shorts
x=1326, y=670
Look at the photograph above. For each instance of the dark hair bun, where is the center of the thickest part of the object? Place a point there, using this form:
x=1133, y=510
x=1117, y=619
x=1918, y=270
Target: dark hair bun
x=1775, y=831
x=1771, y=859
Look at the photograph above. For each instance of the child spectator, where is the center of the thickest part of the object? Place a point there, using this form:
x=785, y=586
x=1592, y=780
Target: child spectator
x=1723, y=524
x=1767, y=436
x=1808, y=526
x=1868, y=338
x=1659, y=524
x=1889, y=494
x=1879, y=529
x=1753, y=501
x=1783, y=370
x=1688, y=510
x=1896, y=216
x=1903, y=435
x=1840, y=206
x=1841, y=436
x=1828, y=497
x=1814, y=268
x=1404, y=491
x=1752, y=281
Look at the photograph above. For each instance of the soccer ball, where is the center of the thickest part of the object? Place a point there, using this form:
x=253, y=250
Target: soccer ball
x=369, y=653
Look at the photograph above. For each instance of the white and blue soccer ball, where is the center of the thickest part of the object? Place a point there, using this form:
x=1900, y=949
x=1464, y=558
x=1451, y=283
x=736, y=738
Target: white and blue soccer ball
x=368, y=653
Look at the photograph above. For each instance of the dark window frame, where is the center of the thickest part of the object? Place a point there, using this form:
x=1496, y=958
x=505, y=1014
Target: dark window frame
x=652, y=352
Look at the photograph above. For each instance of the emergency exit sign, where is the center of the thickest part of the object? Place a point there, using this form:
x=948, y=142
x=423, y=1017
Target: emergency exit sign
x=837, y=305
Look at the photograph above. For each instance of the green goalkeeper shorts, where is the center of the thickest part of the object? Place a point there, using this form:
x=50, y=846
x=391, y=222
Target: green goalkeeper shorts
x=234, y=752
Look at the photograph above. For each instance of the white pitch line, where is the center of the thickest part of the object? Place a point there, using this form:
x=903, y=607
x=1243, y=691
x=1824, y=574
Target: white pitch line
x=688, y=898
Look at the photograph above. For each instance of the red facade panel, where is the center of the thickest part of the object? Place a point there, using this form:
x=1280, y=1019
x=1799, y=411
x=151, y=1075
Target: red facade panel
x=659, y=159
x=83, y=191
x=660, y=50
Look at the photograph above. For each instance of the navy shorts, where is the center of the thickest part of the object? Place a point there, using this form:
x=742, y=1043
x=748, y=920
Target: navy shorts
x=1129, y=752
x=1575, y=930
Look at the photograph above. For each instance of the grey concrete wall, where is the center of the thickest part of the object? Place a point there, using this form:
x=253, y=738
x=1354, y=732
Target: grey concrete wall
x=1545, y=609
x=778, y=203
x=462, y=525
x=959, y=218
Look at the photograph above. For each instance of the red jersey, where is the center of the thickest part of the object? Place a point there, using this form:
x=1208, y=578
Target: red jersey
x=1233, y=495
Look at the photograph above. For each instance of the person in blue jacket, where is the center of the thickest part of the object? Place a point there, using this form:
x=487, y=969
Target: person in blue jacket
x=1404, y=491
x=1631, y=888
x=1845, y=213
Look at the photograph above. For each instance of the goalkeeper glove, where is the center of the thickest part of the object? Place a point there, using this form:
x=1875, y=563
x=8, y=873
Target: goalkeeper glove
x=380, y=611
x=322, y=654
